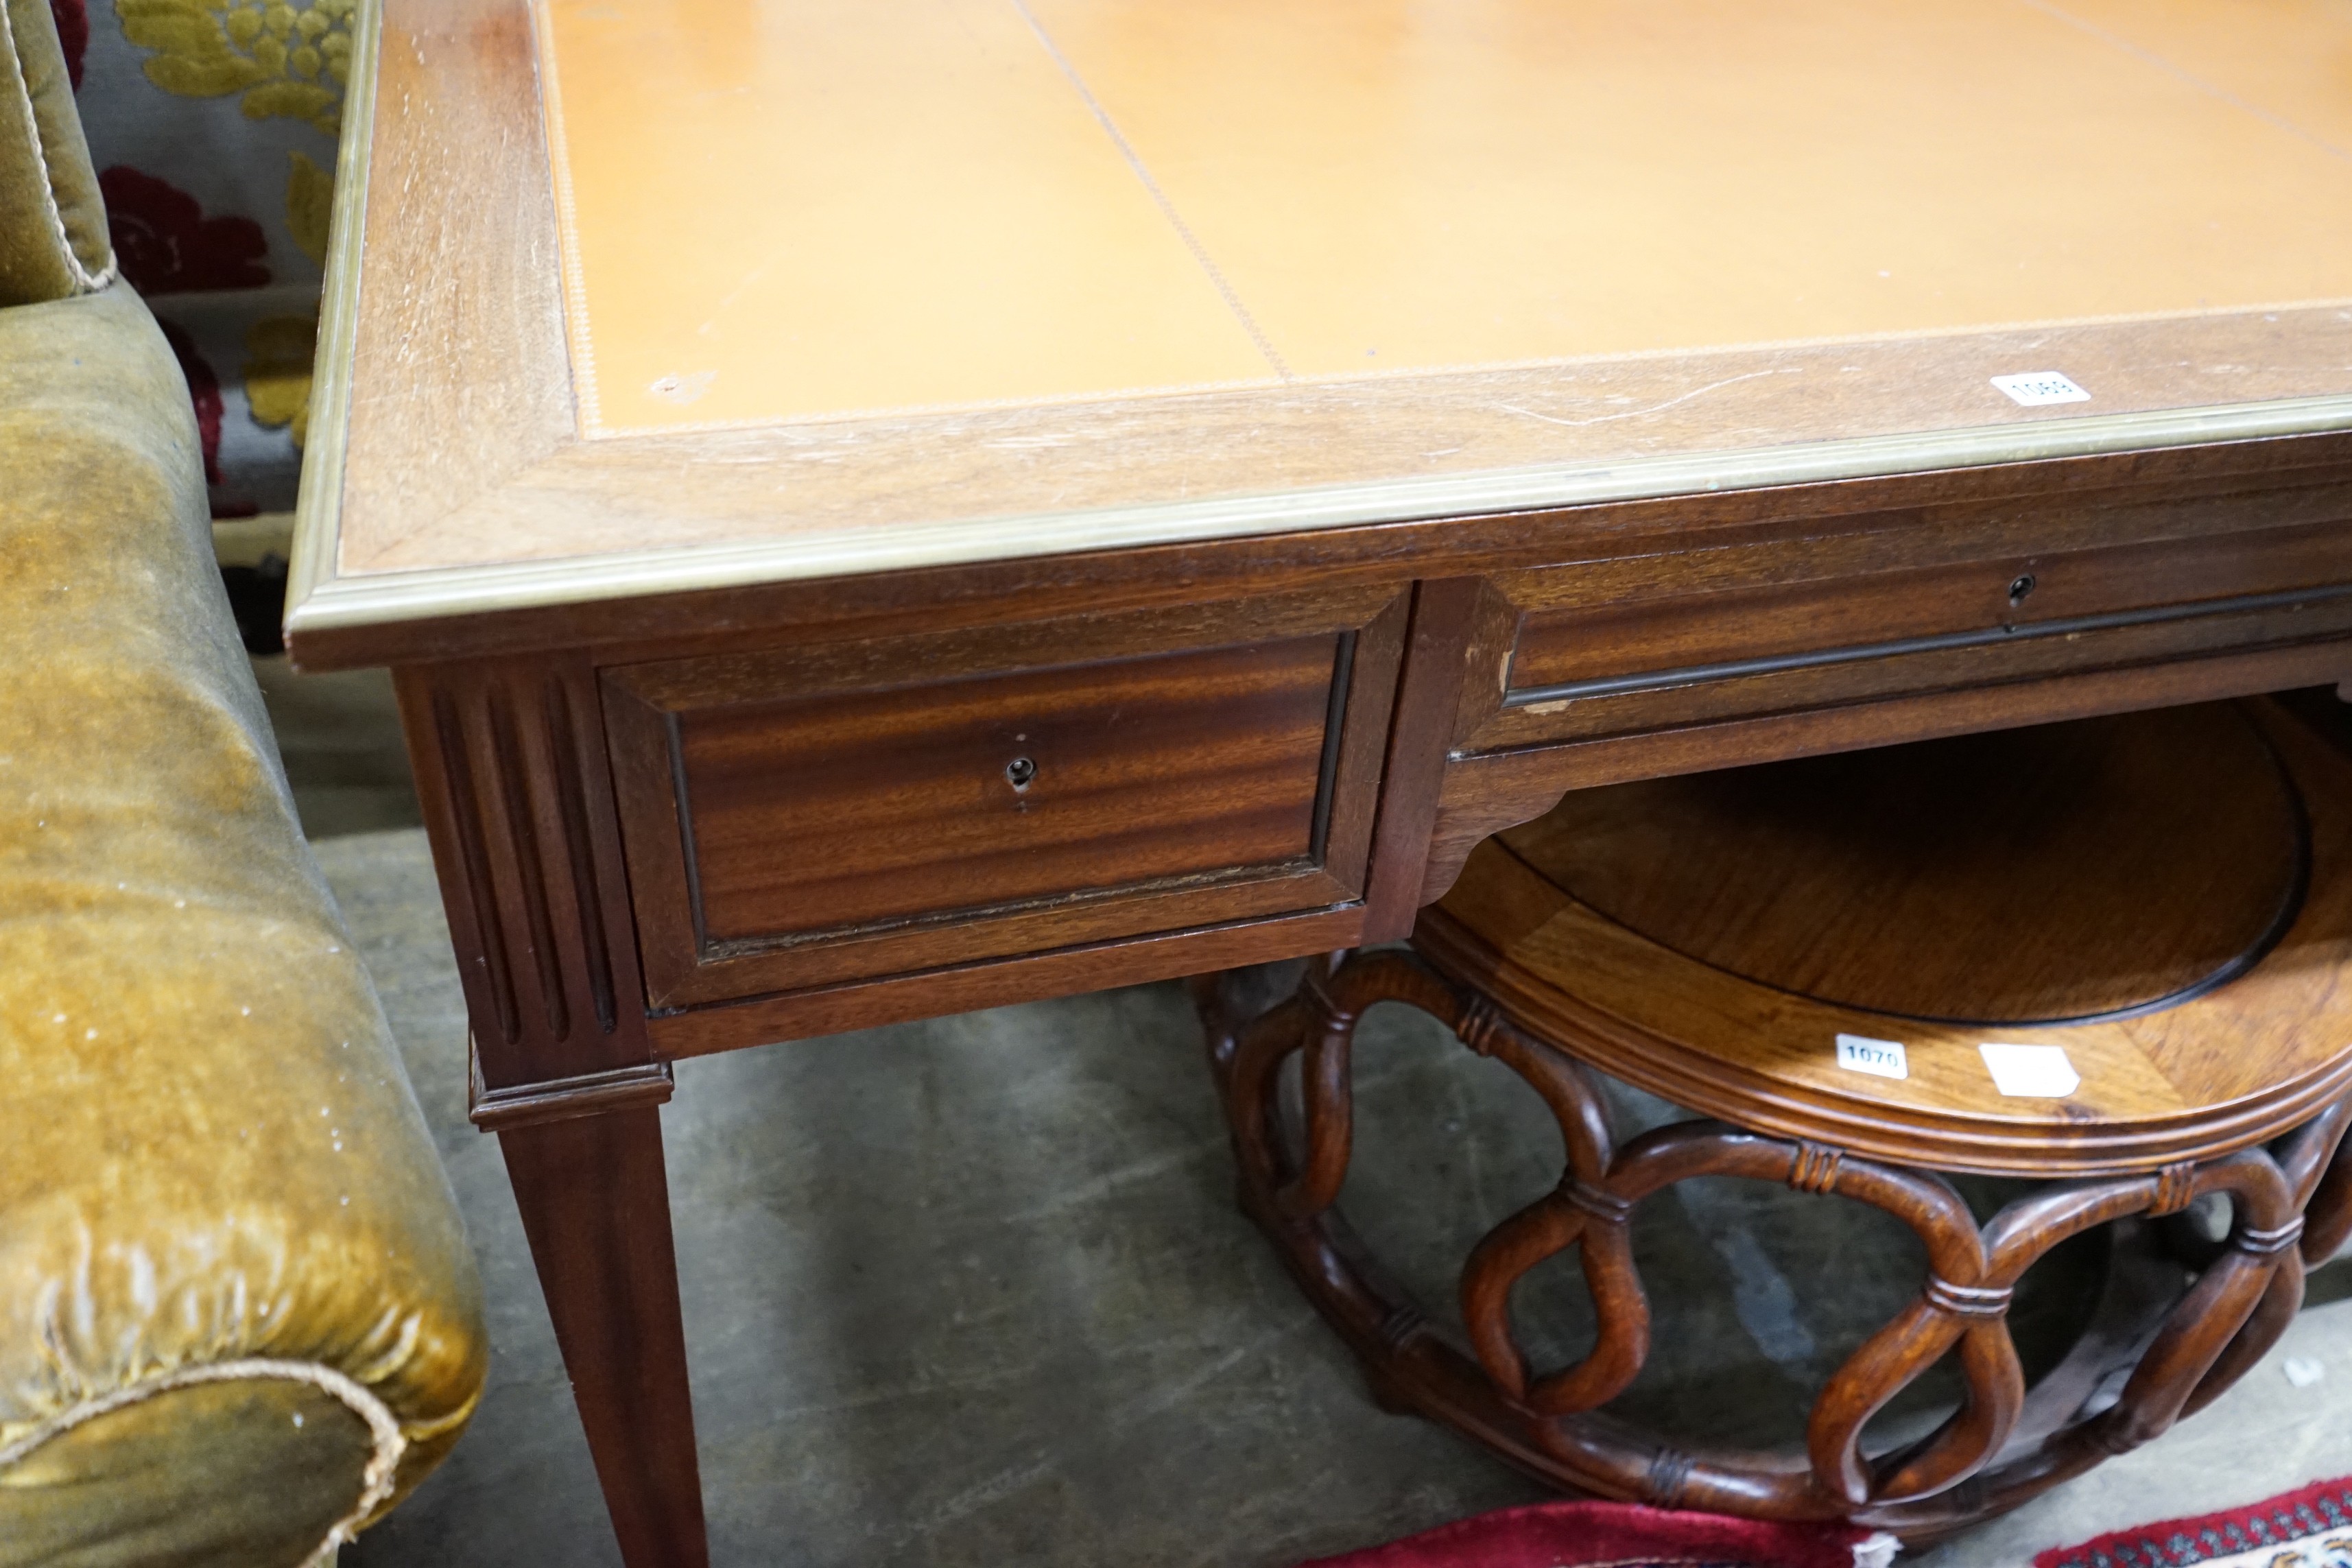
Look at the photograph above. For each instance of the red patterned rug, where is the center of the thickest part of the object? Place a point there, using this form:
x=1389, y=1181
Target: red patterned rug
x=1623, y=1535
x=2306, y=1529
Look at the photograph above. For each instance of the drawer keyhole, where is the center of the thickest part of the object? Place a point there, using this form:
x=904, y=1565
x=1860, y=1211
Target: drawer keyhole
x=1018, y=773
x=2020, y=588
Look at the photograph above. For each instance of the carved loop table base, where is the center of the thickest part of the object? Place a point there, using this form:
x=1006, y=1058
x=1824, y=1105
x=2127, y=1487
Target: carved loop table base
x=2292, y=1204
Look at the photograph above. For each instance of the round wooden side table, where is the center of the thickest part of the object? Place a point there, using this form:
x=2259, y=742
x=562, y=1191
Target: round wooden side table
x=2109, y=955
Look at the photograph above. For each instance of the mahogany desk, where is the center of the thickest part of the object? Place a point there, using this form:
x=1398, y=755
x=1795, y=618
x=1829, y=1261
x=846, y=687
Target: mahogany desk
x=887, y=509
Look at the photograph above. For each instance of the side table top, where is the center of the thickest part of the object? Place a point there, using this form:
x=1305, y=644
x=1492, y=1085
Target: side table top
x=630, y=298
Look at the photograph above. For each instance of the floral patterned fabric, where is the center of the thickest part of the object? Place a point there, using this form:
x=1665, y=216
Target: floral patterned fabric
x=214, y=124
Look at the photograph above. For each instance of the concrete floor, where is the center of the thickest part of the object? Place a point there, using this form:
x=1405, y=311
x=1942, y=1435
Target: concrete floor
x=974, y=1291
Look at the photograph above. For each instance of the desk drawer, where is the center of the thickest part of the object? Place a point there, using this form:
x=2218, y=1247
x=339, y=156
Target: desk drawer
x=1792, y=641
x=844, y=812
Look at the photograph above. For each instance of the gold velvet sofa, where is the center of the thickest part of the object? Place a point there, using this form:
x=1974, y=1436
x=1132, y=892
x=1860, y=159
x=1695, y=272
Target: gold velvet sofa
x=238, y=1319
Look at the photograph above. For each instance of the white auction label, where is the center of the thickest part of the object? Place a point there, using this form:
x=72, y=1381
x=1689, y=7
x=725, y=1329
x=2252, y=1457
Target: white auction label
x=2035, y=387
x=2031, y=1072
x=1858, y=1053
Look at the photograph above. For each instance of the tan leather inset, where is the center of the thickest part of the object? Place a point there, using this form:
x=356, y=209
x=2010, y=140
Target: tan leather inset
x=775, y=212
x=782, y=210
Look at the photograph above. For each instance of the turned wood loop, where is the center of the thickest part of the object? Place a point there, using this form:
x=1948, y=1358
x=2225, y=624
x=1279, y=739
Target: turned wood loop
x=1969, y=1468
x=1968, y=1301
x=1711, y=940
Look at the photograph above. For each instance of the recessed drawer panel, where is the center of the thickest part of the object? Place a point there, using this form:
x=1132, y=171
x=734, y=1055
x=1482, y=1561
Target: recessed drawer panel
x=859, y=810
x=2006, y=594
x=1582, y=667
x=1002, y=789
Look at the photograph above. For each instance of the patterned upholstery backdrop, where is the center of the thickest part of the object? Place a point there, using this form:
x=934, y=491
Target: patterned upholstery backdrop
x=213, y=125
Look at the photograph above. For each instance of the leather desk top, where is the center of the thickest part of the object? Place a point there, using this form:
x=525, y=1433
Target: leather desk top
x=636, y=296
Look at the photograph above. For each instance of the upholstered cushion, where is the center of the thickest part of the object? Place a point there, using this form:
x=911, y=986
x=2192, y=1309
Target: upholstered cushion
x=53, y=241
x=237, y=1312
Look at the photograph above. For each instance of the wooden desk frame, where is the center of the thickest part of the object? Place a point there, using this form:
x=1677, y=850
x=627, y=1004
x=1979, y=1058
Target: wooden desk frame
x=1504, y=637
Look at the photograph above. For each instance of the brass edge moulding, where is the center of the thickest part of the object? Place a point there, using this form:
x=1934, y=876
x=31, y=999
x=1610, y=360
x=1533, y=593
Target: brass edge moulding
x=319, y=502
x=640, y=1085
x=319, y=600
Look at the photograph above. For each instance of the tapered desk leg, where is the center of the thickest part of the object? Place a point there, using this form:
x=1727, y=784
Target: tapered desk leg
x=511, y=770
x=595, y=1203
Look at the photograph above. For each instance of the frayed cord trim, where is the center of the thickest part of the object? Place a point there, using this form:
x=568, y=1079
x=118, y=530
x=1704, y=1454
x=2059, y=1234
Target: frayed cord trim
x=376, y=1480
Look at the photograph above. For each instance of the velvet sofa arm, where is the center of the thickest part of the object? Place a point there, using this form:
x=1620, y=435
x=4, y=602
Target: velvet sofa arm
x=238, y=1316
